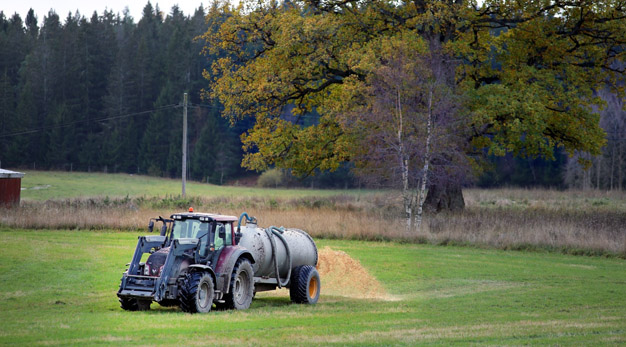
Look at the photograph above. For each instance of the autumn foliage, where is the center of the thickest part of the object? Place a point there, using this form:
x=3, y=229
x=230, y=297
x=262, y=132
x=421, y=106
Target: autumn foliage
x=527, y=71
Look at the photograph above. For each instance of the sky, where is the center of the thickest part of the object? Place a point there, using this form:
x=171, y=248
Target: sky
x=87, y=7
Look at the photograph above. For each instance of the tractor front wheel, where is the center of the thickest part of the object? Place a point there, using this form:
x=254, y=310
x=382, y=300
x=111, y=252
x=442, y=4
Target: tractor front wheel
x=197, y=293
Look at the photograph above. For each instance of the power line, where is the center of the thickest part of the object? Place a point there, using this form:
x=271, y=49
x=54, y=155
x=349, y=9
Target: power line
x=221, y=108
x=190, y=105
x=64, y=125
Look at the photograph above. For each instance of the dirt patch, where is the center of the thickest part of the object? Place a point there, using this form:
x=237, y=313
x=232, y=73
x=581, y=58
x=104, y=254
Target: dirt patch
x=343, y=275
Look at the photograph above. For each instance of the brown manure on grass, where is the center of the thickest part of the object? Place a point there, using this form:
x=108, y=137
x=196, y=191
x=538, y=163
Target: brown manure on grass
x=342, y=275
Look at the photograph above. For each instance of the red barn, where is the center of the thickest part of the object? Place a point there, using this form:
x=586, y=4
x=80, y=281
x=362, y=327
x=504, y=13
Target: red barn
x=10, y=187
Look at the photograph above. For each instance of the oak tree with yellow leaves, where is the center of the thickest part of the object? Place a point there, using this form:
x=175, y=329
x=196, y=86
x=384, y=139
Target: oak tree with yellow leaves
x=527, y=70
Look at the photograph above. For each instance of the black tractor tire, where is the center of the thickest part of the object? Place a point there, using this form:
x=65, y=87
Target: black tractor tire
x=197, y=293
x=132, y=304
x=241, y=290
x=305, y=285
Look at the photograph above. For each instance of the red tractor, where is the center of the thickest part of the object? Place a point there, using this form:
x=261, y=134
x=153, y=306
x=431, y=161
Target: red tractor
x=200, y=260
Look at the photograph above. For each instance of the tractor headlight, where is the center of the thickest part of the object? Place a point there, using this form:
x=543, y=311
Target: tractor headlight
x=146, y=270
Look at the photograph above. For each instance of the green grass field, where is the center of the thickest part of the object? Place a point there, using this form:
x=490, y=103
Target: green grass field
x=58, y=287
x=44, y=185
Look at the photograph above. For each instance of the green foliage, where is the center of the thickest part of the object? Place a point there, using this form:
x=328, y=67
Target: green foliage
x=57, y=86
x=176, y=202
x=155, y=145
x=272, y=178
x=457, y=296
x=215, y=156
x=528, y=70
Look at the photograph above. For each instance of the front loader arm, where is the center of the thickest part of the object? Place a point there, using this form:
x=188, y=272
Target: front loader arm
x=144, y=245
x=172, y=265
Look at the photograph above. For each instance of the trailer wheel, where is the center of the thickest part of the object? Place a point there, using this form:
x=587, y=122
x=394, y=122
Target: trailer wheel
x=241, y=286
x=305, y=285
x=132, y=304
x=197, y=293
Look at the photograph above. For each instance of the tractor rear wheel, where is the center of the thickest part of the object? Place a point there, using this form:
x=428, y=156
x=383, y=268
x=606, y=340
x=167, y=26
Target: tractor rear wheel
x=241, y=286
x=305, y=285
x=197, y=293
x=132, y=304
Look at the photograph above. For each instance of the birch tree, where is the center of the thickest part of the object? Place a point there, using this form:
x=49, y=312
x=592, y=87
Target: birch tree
x=409, y=115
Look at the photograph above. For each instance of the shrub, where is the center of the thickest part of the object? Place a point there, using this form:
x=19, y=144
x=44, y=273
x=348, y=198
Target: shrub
x=271, y=179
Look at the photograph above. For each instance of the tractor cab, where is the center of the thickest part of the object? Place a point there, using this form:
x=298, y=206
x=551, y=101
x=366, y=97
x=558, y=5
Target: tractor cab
x=212, y=232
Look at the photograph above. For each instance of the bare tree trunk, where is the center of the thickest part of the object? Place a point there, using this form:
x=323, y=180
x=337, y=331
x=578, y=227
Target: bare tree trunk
x=620, y=165
x=612, y=167
x=404, y=167
x=598, y=170
x=613, y=160
x=532, y=169
x=426, y=161
x=444, y=197
x=587, y=175
x=414, y=194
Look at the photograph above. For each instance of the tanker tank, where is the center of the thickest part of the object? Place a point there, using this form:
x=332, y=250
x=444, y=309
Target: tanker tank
x=258, y=241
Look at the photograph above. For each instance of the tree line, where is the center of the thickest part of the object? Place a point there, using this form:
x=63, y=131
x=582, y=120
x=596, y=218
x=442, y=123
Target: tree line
x=312, y=87
x=608, y=169
x=105, y=93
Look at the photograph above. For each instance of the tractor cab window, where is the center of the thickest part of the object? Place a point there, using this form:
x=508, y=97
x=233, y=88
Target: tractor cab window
x=203, y=235
x=228, y=241
x=193, y=228
x=190, y=228
x=219, y=242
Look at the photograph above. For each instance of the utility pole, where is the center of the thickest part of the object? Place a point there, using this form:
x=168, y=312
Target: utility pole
x=184, y=143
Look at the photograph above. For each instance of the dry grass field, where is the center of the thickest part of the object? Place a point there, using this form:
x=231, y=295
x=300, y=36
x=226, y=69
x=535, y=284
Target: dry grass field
x=578, y=222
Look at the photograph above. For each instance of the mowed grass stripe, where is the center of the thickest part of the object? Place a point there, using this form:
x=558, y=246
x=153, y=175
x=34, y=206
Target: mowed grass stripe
x=58, y=287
